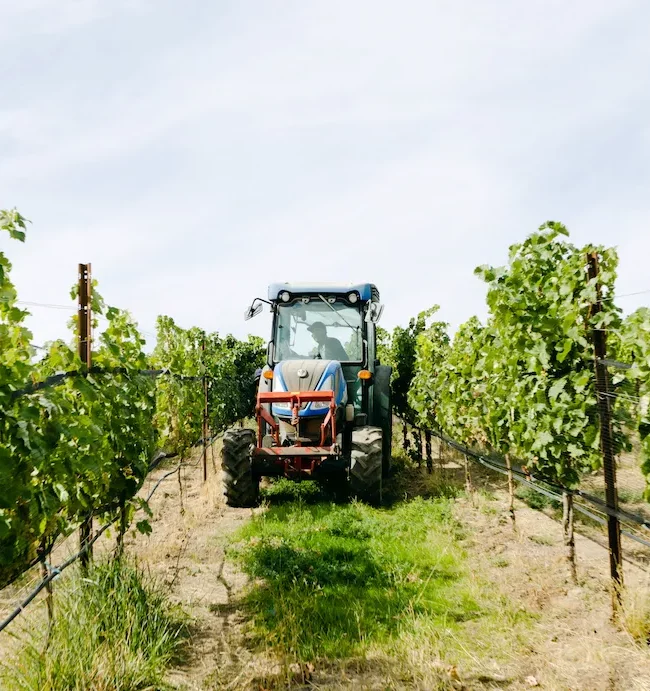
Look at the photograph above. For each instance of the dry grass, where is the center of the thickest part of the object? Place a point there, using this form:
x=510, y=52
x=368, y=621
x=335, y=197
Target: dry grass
x=566, y=640
x=636, y=615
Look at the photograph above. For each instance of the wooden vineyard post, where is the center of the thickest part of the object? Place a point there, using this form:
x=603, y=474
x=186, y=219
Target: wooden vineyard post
x=45, y=572
x=417, y=444
x=119, y=547
x=569, y=539
x=468, y=476
x=406, y=441
x=606, y=440
x=214, y=467
x=511, y=490
x=427, y=441
x=84, y=327
x=205, y=416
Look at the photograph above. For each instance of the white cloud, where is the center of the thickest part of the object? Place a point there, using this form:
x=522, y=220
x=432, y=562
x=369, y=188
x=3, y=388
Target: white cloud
x=27, y=18
x=222, y=149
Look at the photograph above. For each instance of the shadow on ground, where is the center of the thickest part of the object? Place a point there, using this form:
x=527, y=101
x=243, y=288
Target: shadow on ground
x=333, y=578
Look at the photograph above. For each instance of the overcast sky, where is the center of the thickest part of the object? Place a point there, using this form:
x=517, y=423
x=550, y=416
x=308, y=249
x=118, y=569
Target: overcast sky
x=196, y=151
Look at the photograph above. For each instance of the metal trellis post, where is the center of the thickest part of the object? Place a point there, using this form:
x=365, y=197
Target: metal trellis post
x=85, y=354
x=606, y=438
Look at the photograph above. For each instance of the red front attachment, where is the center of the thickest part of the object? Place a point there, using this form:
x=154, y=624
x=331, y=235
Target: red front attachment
x=296, y=459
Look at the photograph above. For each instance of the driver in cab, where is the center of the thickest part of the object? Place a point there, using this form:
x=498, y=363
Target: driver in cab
x=329, y=348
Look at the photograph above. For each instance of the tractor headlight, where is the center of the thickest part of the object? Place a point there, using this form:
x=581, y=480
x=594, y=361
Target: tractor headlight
x=279, y=408
x=285, y=296
x=328, y=385
x=353, y=297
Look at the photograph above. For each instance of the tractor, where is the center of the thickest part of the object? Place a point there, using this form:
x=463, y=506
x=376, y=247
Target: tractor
x=323, y=408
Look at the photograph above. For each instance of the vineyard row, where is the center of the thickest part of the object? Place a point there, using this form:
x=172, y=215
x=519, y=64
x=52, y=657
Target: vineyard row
x=77, y=441
x=528, y=384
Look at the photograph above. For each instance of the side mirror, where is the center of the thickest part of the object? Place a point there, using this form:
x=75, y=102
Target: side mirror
x=374, y=312
x=253, y=310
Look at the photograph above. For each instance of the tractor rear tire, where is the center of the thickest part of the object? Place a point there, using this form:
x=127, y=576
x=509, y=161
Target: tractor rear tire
x=240, y=485
x=383, y=412
x=366, y=463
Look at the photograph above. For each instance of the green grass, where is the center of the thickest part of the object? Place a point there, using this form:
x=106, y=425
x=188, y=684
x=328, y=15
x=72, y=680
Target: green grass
x=338, y=581
x=542, y=540
x=114, y=630
x=282, y=490
x=536, y=500
x=626, y=495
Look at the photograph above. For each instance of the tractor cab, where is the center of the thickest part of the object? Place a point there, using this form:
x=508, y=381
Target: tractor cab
x=323, y=405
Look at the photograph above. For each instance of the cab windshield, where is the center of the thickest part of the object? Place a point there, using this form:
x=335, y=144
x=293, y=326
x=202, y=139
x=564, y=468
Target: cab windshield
x=310, y=328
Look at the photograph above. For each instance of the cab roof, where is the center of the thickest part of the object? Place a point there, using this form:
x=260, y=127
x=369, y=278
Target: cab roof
x=367, y=291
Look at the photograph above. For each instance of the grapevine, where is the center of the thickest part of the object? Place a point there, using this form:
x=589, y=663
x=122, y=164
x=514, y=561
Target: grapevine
x=83, y=446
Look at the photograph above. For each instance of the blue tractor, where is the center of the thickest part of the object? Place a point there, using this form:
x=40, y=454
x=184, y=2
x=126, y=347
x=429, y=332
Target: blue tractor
x=323, y=404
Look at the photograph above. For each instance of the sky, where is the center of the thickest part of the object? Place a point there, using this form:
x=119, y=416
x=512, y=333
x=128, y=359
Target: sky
x=195, y=152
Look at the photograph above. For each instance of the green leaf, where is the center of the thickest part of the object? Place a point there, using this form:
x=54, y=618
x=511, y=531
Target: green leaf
x=566, y=349
x=144, y=527
x=557, y=388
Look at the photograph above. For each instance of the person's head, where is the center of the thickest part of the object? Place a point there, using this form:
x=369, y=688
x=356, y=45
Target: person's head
x=319, y=331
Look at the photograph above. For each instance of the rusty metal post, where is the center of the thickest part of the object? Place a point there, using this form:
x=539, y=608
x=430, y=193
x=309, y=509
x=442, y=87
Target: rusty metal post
x=84, y=327
x=606, y=439
x=427, y=440
x=511, y=490
x=45, y=572
x=205, y=415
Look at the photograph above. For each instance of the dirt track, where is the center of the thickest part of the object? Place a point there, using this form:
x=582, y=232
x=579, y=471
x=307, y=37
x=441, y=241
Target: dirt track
x=572, y=643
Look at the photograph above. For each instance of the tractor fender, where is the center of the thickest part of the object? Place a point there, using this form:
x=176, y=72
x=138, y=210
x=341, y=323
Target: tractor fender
x=382, y=412
x=265, y=386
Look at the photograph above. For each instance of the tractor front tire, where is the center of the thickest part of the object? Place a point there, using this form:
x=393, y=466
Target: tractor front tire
x=366, y=463
x=240, y=485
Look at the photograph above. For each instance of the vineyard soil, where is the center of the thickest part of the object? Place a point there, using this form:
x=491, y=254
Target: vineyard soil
x=563, y=639
x=571, y=643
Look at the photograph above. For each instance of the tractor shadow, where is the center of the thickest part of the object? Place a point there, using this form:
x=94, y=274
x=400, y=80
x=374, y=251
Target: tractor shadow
x=331, y=576
x=406, y=480
x=328, y=579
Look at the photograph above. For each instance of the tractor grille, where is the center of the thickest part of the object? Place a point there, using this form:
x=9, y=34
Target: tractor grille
x=309, y=429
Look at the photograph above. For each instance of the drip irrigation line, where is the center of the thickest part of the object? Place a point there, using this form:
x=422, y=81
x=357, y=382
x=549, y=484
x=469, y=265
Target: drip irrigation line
x=636, y=538
x=627, y=397
x=57, y=379
x=614, y=363
x=30, y=565
x=56, y=571
x=626, y=295
x=590, y=514
x=586, y=512
x=52, y=575
x=164, y=477
x=47, y=305
x=619, y=513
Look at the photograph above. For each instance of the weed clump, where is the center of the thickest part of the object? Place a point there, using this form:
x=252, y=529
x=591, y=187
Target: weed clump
x=113, y=629
x=536, y=500
x=338, y=580
x=284, y=490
